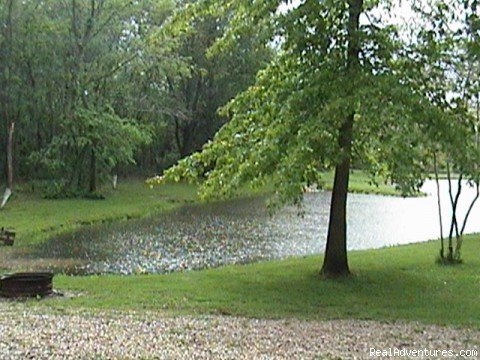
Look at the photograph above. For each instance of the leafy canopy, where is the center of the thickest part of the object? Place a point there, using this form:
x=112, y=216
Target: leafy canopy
x=111, y=138
x=285, y=127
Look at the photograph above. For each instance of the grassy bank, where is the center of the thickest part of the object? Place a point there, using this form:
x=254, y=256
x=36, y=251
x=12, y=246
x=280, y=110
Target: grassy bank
x=361, y=182
x=35, y=219
x=388, y=284
x=392, y=283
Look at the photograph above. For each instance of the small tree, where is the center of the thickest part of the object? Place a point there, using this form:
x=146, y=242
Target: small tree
x=89, y=146
x=446, y=72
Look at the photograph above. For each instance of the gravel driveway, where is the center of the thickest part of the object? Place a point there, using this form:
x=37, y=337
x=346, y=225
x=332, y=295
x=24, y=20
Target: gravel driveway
x=33, y=333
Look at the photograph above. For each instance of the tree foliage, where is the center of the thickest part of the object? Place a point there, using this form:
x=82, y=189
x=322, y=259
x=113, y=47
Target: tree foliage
x=446, y=72
x=93, y=66
x=110, y=139
x=340, y=89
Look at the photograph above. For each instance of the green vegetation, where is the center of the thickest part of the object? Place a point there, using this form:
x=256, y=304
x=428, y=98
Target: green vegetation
x=360, y=182
x=135, y=86
x=388, y=111
x=391, y=283
x=35, y=218
x=117, y=90
x=388, y=284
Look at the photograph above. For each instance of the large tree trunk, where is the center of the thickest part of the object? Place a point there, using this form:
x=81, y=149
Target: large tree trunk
x=335, y=261
x=8, y=190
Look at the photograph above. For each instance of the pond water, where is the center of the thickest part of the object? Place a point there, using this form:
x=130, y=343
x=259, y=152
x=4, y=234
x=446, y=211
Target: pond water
x=241, y=230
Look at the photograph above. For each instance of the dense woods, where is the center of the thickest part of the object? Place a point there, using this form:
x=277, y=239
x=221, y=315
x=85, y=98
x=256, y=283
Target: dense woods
x=92, y=87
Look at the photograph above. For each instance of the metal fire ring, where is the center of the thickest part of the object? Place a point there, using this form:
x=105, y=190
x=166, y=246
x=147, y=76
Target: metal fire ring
x=26, y=284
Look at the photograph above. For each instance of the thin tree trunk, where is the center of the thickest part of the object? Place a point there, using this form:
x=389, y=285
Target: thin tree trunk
x=11, y=128
x=9, y=189
x=178, y=140
x=335, y=262
x=467, y=215
x=93, y=172
x=439, y=203
x=450, y=235
x=458, y=246
x=477, y=185
x=454, y=203
x=457, y=197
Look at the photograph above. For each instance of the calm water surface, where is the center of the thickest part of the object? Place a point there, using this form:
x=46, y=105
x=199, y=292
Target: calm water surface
x=242, y=231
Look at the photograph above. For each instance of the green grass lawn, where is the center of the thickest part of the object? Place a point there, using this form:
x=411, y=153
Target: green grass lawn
x=387, y=284
x=35, y=218
x=361, y=182
x=393, y=283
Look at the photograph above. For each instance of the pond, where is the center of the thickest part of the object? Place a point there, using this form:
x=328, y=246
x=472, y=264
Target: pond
x=241, y=231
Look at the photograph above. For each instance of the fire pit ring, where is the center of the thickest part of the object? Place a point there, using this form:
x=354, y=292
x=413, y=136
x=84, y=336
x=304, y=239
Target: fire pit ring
x=26, y=284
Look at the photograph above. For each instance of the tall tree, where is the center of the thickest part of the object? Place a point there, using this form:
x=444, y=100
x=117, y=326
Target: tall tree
x=10, y=93
x=335, y=93
x=93, y=42
x=194, y=83
x=110, y=59
x=336, y=251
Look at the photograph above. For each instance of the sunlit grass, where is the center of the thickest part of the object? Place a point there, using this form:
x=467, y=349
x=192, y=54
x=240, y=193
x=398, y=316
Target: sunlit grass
x=361, y=182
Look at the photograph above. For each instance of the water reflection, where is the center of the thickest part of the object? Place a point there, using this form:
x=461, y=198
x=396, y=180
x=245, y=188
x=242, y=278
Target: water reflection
x=241, y=231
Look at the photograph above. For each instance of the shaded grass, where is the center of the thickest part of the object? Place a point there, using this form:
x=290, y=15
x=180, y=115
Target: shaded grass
x=388, y=284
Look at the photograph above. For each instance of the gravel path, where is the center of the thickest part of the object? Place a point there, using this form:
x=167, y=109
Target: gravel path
x=30, y=333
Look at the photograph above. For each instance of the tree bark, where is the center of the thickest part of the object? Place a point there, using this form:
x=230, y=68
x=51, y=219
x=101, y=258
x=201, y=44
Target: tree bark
x=93, y=172
x=335, y=263
x=11, y=128
x=439, y=205
x=8, y=190
x=454, y=204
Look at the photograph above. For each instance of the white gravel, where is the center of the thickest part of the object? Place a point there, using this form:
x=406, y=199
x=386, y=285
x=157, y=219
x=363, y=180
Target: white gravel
x=35, y=333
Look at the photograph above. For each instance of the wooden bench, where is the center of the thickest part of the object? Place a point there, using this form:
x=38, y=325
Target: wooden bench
x=7, y=236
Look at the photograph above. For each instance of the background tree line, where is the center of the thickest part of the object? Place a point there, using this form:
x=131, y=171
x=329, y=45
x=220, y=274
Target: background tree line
x=92, y=88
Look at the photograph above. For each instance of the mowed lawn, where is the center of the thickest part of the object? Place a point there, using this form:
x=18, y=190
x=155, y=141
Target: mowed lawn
x=393, y=283
x=35, y=218
x=387, y=284
x=361, y=182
